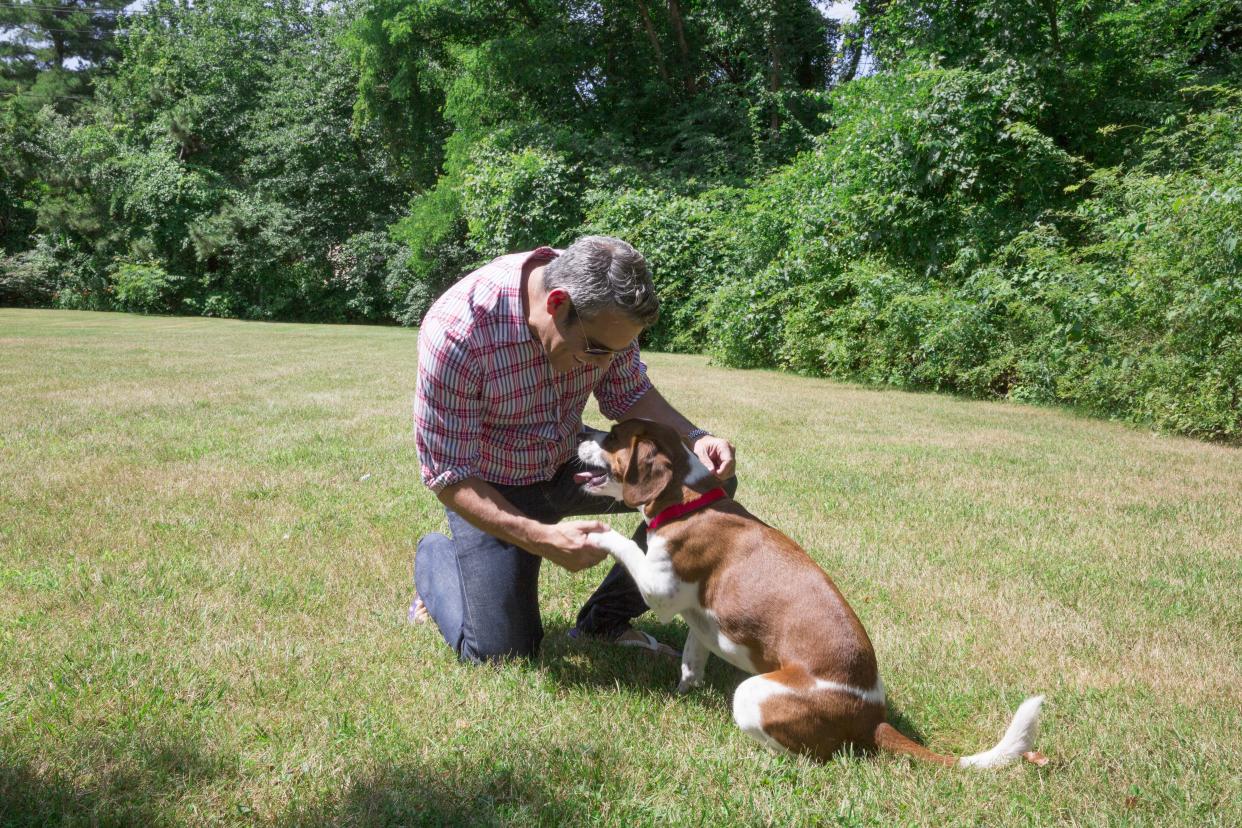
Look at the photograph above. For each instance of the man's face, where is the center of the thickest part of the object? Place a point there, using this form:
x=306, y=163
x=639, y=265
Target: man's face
x=577, y=341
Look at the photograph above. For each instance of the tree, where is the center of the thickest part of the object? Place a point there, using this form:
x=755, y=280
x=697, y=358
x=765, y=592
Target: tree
x=692, y=88
x=51, y=49
x=1091, y=64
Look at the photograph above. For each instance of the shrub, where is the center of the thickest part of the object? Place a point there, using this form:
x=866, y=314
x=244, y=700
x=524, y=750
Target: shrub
x=53, y=272
x=688, y=246
x=144, y=287
x=519, y=198
x=362, y=268
x=928, y=242
x=437, y=252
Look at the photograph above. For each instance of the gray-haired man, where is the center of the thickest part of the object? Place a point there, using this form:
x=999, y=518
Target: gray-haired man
x=506, y=360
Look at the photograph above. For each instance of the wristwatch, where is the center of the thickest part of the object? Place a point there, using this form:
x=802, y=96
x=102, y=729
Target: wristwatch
x=694, y=435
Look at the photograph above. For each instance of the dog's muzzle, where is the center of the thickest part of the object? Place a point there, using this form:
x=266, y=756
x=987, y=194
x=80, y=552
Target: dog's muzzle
x=594, y=461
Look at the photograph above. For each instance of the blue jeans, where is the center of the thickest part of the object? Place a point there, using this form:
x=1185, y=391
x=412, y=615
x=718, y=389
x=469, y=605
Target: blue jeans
x=483, y=593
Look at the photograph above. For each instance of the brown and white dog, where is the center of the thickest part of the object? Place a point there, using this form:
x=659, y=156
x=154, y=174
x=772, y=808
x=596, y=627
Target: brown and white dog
x=755, y=598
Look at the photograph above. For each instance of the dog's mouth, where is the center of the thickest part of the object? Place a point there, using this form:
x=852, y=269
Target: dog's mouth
x=592, y=478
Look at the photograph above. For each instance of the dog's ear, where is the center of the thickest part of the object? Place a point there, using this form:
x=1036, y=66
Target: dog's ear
x=647, y=474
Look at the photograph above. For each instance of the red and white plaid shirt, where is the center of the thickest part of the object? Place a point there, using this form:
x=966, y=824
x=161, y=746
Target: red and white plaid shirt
x=487, y=404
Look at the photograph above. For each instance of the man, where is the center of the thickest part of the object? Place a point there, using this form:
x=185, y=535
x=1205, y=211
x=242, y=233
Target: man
x=506, y=360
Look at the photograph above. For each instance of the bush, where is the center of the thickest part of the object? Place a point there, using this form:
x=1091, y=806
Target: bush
x=688, y=245
x=520, y=198
x=437, y=252
x=928, y=243
x=1149, y=312
x=28, y=279
x=362, y=269
x=55, y=273
x=144, y=287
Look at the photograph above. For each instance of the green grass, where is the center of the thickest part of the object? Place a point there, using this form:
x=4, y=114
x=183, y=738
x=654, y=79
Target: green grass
x=206, y=535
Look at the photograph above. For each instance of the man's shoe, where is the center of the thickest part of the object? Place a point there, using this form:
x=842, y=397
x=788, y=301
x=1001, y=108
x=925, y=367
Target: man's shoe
x=630, y=638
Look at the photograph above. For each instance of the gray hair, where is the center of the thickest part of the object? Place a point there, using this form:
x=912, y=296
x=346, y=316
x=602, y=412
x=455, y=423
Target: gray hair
x=604, y=273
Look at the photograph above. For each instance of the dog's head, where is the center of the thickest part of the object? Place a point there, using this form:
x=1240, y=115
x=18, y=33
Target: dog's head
x=639, y=462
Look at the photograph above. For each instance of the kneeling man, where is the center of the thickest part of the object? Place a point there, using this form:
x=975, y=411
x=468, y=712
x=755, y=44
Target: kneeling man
x=506, y=360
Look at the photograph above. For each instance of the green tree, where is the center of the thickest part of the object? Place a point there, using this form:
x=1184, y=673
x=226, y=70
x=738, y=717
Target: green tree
x=51, y=49
x=1091, y=64
x=218, y=171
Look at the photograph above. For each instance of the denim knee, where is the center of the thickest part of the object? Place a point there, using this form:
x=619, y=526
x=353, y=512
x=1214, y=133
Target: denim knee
x=501, y=645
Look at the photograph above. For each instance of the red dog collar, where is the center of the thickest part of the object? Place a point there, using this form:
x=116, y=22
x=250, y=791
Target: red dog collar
x=685, y=508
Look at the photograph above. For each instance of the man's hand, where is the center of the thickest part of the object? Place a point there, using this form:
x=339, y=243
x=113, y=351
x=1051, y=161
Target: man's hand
x=566, y=544
x=717, y=454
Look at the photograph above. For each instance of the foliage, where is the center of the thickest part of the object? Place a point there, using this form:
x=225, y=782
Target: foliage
x=143, y=286
x=520, y=199
x=53, y=272
x=508, y=115
x=222, y=154
x=687, y=240
x=1001, y=198
x=364, y=270
x=19, y=186
x=1128, y=303
x=51, y=49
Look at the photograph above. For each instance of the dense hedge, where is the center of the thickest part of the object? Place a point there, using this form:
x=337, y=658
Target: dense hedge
x=980, y=259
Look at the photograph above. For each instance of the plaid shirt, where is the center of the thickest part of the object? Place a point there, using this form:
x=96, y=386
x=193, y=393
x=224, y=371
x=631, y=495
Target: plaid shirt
x=487, y=404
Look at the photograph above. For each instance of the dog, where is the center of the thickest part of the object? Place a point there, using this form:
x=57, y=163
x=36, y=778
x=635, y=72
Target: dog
x=753, y=596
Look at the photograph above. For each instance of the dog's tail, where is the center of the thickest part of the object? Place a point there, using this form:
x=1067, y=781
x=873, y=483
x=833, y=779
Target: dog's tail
x=1019, y=738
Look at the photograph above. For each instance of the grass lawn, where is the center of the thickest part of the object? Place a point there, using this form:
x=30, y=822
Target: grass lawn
x=206, y=536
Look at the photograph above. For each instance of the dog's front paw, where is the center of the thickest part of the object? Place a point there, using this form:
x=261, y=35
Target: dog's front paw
x=612, y=540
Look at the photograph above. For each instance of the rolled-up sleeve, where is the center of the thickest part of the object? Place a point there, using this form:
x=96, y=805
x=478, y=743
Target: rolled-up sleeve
x=623, y=384
x=447, y=407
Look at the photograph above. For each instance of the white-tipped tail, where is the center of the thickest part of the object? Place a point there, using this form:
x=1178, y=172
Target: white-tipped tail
x=1018, y=739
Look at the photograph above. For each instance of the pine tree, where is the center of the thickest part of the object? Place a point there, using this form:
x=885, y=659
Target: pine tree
x=49, y=49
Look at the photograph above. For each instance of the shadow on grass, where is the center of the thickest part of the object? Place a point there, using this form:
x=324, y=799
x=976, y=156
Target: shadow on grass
x=120, y=793
x=596, y=664
x=505, y=790
x=898, y=719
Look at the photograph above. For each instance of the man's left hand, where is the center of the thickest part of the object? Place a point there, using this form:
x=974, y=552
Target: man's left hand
x=717, y=454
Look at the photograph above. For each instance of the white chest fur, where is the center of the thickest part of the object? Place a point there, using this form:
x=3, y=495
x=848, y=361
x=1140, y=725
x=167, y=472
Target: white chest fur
x=663, y=591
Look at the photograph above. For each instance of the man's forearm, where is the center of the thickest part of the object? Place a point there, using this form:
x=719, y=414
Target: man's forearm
x=716, y=453
x=566, y=544
x=487, y=509
x=653, y=406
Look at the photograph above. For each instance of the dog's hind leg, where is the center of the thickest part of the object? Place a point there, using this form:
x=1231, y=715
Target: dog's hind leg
x=789, y=711
x=748, y=702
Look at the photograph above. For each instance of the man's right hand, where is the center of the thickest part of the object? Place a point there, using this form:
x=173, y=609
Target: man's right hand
x=566, y=544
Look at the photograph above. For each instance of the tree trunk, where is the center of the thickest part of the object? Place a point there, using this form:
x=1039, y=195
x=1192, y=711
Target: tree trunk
x=655, y=41
x=855, y=57
x=1050, y=6
x=674, y=14
x=774, y=82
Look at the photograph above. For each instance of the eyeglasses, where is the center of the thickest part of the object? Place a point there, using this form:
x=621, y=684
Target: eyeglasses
x=588, y=347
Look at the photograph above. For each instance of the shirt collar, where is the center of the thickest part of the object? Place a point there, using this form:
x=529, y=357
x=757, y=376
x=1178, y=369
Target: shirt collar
x=513, y=318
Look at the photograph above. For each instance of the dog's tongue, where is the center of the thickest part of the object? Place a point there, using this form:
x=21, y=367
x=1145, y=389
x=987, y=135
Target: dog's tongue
x=583, y=477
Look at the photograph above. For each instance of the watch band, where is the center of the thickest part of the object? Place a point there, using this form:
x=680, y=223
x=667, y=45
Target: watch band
x=696, y=434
